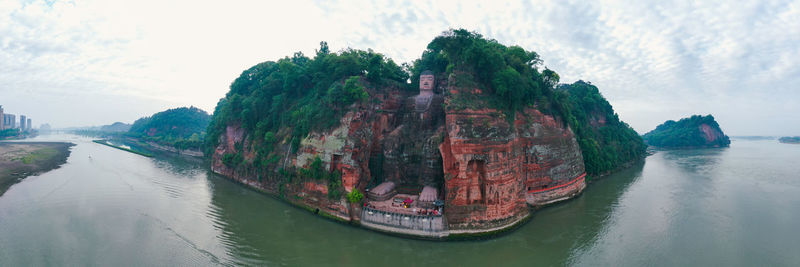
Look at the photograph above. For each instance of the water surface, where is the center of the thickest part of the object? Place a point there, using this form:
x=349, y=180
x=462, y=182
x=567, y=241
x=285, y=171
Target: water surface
x=730, y=206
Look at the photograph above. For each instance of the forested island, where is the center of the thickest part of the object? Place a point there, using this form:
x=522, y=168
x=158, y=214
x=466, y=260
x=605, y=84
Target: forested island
x=694, y=132
x=482, y=132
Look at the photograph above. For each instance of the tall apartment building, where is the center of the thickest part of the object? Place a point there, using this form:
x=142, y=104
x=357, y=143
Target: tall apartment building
x=9, y=121
x=22, y=120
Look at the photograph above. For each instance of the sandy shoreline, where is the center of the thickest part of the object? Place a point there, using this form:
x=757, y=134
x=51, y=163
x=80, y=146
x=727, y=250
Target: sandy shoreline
x=22, y=159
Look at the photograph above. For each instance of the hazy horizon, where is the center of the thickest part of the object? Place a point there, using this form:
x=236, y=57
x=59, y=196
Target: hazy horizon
x=93, y=63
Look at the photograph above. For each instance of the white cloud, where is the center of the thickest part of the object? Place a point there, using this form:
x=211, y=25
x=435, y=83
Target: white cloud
x=653, y=60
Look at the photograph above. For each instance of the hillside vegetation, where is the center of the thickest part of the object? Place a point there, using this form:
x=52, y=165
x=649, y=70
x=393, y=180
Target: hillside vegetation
x=282, y=101
x=606, y=142
x=511, y=76
x=182, y=128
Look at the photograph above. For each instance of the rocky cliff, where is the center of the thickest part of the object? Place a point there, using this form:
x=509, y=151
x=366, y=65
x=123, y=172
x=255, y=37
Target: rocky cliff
x=491, y=164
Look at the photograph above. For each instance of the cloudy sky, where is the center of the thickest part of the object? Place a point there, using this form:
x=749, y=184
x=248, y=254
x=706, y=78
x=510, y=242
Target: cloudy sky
x=78, y=63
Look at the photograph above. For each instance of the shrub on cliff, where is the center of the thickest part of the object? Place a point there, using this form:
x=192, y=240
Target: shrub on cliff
x=693, y=132
x=606, y=142
x=355, y=196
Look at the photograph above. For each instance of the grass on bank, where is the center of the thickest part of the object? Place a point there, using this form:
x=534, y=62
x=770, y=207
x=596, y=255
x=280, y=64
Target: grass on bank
x=105, y=142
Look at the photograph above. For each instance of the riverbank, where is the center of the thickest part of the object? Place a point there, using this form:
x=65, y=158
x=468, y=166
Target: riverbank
x=22, y=159
x=185, y=152
x=106, y=143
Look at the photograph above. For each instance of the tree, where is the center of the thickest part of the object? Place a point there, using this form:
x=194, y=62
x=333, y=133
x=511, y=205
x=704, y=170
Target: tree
x=355, y=196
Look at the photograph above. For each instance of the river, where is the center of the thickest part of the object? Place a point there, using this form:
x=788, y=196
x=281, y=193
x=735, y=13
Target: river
x=734, y=206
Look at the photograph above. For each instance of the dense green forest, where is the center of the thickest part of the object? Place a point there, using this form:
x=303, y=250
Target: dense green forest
x=686, y=133
x=182, y=128
x=300, y=94
x=606, y=142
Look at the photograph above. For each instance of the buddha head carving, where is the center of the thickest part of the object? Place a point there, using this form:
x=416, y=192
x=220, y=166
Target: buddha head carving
x=426, y=81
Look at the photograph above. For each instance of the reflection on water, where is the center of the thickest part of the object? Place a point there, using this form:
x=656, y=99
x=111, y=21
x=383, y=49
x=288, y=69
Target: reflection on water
x=700, y=161
x=678, y=208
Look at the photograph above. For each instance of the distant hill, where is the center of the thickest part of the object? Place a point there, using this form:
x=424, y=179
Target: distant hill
x=790, y=140
x=116, y=127
x=693, y=132
x=754, y=138
x=178, y=127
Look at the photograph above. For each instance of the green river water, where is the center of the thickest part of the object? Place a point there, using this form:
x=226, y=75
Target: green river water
x=737, y=206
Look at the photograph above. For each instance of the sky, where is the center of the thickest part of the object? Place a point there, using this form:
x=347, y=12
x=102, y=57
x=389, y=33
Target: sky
x=82, y=63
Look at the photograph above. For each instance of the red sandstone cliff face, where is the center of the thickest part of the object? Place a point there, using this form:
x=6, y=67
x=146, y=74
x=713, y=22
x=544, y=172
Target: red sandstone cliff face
x=490, y=166
x=346, y=148
x=488, y=169
x=710, y=134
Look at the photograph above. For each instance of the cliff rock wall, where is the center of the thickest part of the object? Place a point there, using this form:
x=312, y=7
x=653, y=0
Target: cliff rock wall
x=490, y=166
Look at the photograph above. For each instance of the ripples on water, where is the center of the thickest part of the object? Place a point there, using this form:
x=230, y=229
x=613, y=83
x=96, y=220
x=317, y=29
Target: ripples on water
x=733, y=206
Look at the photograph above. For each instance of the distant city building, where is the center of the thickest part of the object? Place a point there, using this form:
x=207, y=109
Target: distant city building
x=2, y=119
x=9, y=121
x=30, y=126
x=22, y=120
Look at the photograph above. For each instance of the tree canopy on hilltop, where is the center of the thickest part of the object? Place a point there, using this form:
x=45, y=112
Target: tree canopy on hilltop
x=510, y=74
x=686, y=133
x=301, y=94
x=181, y=127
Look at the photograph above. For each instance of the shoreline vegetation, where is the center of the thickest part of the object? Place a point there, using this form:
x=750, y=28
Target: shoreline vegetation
x=106, y=143
x=19, y=160
x=789, y=140
x=17, y=134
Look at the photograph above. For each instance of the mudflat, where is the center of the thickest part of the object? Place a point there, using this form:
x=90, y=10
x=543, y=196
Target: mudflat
x=22, y=159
